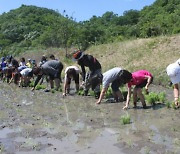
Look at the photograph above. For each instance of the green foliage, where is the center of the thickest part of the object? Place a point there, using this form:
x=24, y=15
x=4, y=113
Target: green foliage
x=108, y=93
x=125, y=119
x=168, y=104
x=81, y=92
x=153, y=97
x=162, y=97
x=39, y=87
x=30, y=26
x=173, y=105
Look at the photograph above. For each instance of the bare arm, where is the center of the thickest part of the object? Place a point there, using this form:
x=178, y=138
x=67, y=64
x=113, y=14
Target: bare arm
x=128, y=98
x=149, y=78
x=65, y=86
x=103, y=91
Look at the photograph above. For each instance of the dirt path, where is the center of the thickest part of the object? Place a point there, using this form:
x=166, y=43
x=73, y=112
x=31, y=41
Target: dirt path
x=39, y=122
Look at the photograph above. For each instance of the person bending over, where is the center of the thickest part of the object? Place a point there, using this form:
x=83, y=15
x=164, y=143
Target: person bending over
x=140, y=79
x=85, y=60
x=116, y=77
x=71, y=73
x=173, y=71
x=51, y=68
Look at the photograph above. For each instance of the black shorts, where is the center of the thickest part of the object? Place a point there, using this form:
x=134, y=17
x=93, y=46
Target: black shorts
x=57, y=75
x=115, y=85
x=143, y=84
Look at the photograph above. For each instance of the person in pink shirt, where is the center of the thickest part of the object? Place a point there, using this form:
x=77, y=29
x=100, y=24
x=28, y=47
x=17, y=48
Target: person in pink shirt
x=140, y=79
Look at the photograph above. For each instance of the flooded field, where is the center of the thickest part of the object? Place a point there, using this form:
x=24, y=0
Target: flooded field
x=40, y=122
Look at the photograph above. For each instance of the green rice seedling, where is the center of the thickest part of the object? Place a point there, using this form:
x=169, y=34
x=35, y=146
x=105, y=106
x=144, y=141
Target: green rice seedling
x=38, y=87
x=108, y=93
x=91, y=93
x=162, y=97
x=151, y=98
x=52, y=91
x=2, y=149
x=173, y=105
x=168, y=104
x=80, y=92
x=125, y=119
x=60, y=89
x=31, y=84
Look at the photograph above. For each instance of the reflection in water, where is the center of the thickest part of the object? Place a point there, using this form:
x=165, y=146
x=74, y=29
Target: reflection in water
x=75, y=124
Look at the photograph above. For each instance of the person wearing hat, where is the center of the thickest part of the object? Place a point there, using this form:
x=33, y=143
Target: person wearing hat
x=116, y=77
x=173, y=71
x=140, y=79
x=90, y=78
x=51, y=68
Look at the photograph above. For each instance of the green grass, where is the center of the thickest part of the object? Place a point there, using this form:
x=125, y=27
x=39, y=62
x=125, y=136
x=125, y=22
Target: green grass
x=125, y=119
x=152, y=98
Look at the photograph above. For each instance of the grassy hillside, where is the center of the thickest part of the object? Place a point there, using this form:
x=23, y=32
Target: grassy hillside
x=153, y=54
x=30, y=27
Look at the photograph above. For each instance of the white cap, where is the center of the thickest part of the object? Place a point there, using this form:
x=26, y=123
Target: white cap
x=173, y=71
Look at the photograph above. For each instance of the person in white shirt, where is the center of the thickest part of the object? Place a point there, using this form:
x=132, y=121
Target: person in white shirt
x=25, y=76
x=71, y=73
x=173, y=71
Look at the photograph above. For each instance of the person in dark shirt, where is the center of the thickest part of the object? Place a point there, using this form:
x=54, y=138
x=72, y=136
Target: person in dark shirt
x=51, y=68
x=94, y=76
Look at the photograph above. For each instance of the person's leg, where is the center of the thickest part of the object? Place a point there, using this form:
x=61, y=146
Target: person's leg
x=116, y=92
x=135, y=97
x=176, y=94
x=118, y=96
x=141, y=96
x=87, y=84
x=57, y=83
x=51, y=83
x=76, y=80
x=20, y=81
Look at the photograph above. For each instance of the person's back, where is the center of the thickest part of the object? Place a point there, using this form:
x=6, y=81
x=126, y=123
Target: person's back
x=15, y=63
x=90, y=62
x=110, y=76
x=52, y=67
x=139, y=76
x=51, y=63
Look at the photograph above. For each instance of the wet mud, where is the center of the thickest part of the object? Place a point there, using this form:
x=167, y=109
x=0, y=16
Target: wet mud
x=40, y=122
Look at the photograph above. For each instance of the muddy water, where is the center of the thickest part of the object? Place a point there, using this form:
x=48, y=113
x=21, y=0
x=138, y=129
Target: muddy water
x=39, y=122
